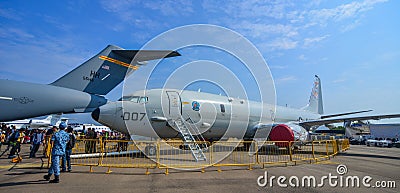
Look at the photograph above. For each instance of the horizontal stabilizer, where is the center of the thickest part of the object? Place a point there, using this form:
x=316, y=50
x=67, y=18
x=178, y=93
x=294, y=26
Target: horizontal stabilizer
x=145, y=55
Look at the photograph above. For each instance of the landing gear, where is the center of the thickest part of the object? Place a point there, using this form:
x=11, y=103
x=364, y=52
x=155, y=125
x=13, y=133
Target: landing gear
x=246, y=147
x=150, y=150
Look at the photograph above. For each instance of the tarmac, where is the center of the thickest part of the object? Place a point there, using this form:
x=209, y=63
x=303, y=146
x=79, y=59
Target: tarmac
x=380, y=164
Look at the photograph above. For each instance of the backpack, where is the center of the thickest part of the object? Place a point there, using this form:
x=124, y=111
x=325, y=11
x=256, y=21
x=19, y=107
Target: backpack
x=71, y=142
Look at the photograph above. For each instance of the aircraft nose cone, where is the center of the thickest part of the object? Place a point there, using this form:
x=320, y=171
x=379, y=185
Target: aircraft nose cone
x=106, y=115
x=96, y=114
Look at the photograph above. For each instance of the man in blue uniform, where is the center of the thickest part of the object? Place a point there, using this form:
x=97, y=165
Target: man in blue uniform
x=59, y=141
x=66, y=159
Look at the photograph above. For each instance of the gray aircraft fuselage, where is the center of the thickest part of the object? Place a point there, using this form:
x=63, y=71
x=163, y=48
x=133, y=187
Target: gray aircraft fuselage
x=159, y=113
x=150, y=114
x=22, y=100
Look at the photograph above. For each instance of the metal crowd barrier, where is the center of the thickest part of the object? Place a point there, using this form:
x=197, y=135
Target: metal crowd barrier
x=233, y=153
x=176, y=154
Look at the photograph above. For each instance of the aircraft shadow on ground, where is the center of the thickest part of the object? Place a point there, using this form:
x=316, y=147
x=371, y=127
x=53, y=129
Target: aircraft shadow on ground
x=24, y=183
x=44, y=171
x=370, y=156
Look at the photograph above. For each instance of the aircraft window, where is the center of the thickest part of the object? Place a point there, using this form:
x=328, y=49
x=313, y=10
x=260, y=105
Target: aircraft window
x=130, y=98
x=143, y=100
x=222, y=108
x=135, y=99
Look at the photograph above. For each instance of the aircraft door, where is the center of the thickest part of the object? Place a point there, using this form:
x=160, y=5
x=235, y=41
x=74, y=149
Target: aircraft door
x=174, y=105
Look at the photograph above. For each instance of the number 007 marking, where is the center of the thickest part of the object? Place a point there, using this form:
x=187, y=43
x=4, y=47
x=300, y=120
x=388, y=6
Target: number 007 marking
x=134, y=116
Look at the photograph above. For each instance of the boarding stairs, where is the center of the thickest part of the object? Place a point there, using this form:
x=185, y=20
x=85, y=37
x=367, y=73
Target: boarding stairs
x=189, y=140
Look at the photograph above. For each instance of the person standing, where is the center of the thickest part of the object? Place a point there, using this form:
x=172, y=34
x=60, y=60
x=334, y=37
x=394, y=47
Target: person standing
x=91, y=136
x=14, y=142
x=37, y=139
x=88, y=144
x=20, y=139
x=47, y=137
x=59, y=142
x=2, y=138
x=68, y=151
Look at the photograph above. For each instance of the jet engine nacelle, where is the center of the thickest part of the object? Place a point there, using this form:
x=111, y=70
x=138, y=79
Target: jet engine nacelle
x=288, y=132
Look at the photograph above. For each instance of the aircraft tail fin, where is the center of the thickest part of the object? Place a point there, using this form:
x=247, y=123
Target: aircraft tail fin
x=55, y=118
x=48, y=118
x=315, y=103
x=101, y=73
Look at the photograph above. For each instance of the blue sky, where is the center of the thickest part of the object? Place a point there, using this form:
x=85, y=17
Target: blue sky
x=352, y=45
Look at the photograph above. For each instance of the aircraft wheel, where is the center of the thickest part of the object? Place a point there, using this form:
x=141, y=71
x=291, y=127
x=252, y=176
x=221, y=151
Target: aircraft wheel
x=151, y=150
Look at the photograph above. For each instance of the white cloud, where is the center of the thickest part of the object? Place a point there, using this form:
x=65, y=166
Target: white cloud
x=285, y=79
x=302, y=57
x=263, y=31
x=279, y=24
x=350, y=26
x=283, y=44
x=147, y=17
x=311, y=41
x=340, y=80
x=15, y=33
x=133, y=9
x=170, y=7
x=279, y=67
x=56, y=23
x=342, y=12
x=10, y=14
x=250, y=8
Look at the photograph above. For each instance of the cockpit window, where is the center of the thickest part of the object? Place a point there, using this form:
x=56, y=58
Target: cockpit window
x=143, y=100
x=135, y=99
x=130, y=98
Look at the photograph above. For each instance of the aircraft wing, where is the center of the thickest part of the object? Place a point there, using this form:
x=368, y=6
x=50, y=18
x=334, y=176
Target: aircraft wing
x=338, y=120
x=19, y=122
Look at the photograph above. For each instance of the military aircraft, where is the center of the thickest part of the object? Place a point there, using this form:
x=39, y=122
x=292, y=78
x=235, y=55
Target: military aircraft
x=50, y=120
x=170, y=113
x=82, y=127
x=80, y=90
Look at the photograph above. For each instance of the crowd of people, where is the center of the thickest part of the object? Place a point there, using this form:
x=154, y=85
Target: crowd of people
x=61, y=141
x=10, y=137
x=13, y=138
x=92, y=139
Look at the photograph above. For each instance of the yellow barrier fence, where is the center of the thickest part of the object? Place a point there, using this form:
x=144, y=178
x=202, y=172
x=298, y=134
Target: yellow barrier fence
x=302, y=151
x=233, y=153
x=87, y=152
x=343, y=145
x=176, y=154
x=271, y=152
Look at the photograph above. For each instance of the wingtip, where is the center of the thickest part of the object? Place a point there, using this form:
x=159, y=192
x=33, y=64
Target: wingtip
x=114, y=47
x=173, y=54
